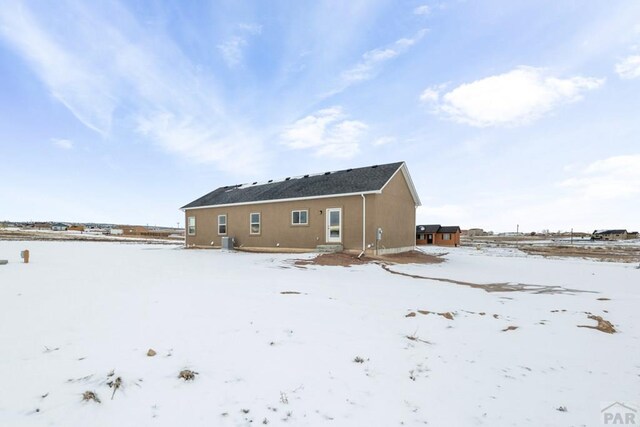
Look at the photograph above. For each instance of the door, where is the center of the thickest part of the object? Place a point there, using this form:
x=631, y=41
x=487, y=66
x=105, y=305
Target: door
x=334, y=225
x=429, y=239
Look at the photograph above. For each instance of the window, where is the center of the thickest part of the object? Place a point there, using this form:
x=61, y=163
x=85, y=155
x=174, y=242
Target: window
x=446, y=236
x=254, y=222
x=300, y=217
x=222, y=224
x=191, y=226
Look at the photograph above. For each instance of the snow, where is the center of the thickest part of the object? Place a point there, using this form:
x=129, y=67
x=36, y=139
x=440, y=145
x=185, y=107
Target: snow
x=80, y=310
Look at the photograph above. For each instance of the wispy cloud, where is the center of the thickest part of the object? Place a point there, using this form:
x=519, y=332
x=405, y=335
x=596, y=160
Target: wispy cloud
x=422, y=10
x=105, y=67
x=328, y=132
x=385, y=140
x=629, y=67
x=517, y=97
x=609, y=178
x=372, y=61
x=232, y=49
x=63, y=144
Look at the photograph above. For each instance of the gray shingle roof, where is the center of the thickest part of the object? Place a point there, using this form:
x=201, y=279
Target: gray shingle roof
x=430, y=228
x=357, y=180
x=437, y=228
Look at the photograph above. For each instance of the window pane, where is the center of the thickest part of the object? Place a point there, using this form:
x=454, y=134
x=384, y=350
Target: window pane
x=222, y=220
x=303, y=217
x=296, y=217
x=334, y=218
x=222, y=229
x=255, y=228
x=255, y=218
x=334, y=233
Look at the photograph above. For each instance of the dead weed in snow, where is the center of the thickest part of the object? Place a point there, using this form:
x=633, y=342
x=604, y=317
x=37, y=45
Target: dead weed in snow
x=187, y=375
x=90, y=395
x=603, y=325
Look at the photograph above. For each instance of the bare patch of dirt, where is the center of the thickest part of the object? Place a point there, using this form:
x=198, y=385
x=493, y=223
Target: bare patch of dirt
x=510, y=328
x=290, y=293
x=496, y=287
x=603, y=325
x=599, y=253
x=446, y=314
x=603, y=299
x=412, y=314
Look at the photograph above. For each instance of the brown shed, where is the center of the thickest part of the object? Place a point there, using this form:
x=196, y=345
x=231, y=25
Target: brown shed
x=436, y=234
x=367, y=209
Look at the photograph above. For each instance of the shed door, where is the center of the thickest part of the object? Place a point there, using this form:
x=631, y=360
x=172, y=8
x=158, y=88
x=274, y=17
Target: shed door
x=334, y=225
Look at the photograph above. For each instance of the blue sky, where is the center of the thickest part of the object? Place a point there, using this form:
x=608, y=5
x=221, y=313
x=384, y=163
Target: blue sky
x=506, y=112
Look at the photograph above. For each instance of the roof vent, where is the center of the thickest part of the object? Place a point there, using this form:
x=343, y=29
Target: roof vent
x=287, y=178
x=327, y=173
x=374, y=166
x=270, y=180
x=255, y=183
x=349, y=170
x=306, y=176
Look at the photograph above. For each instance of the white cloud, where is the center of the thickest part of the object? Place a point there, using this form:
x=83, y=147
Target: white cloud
x=611, y=178
x=430, y=94
x=517, y=97
x=373, y=60
x=232, y=49
x=422, y=10
x=385, y=140
x=327, y=132
x=105, y=62
x=629, y=68
x=64, y=144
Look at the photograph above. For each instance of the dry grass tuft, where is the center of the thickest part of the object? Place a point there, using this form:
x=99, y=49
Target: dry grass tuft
x=603, y=325
x=187, y=375
x=90, y=395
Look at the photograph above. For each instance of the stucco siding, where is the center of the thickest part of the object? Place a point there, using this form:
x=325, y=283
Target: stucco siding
x=275, y=224
x=394, y=211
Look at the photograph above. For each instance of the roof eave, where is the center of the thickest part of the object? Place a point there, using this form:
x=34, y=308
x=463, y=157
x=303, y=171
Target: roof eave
x=328, y=196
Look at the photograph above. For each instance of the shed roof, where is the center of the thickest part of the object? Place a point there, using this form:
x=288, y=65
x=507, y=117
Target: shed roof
x=437, y=228
x=367, y=179
x=430, y=228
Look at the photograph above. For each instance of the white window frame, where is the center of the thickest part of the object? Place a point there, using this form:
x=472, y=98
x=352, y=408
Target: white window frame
x=189, y=232
x=225, y=224
x=299, y=211
x=251, y=223
x=446, y=236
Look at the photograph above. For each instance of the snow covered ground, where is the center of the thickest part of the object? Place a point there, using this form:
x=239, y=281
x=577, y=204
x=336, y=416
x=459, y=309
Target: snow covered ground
x=80, y=311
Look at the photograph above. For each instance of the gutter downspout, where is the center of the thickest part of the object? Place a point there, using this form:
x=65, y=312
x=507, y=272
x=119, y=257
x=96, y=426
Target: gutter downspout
x=364, y=217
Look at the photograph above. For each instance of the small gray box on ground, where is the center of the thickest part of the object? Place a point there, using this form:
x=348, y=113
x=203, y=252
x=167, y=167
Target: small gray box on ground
x=227, y=243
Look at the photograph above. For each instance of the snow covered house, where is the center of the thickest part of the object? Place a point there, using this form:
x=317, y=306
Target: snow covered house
x=360, y=209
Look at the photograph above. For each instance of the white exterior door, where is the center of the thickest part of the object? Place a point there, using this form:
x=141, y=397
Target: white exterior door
x=334, y=225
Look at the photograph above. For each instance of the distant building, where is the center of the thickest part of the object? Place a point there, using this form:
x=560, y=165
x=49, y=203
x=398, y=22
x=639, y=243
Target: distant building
x=76, y=228
x=474, y=232
x=57, y=226
x=435, y=234
x=609, y=235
